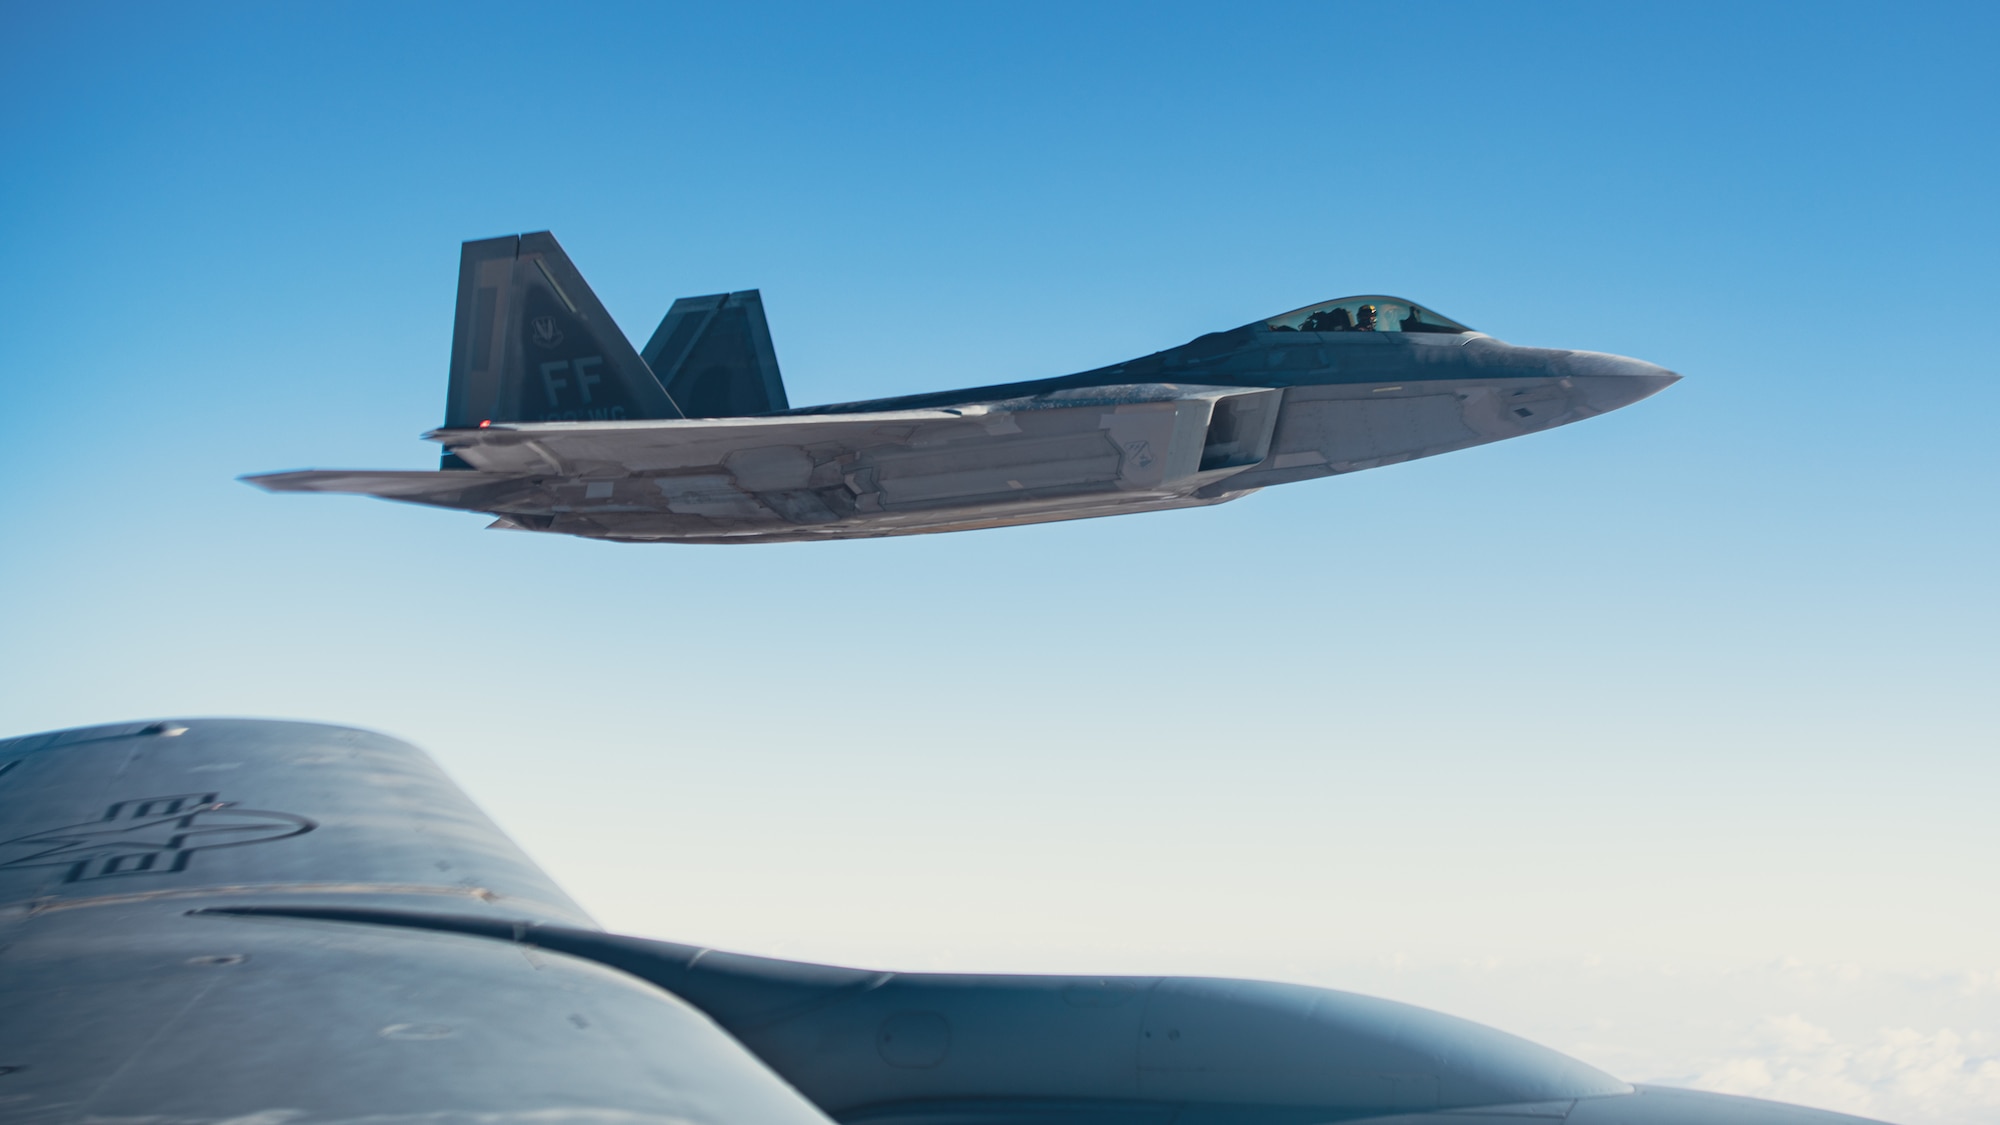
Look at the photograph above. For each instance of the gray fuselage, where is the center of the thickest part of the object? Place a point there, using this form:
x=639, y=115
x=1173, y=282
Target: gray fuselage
x=1272, y=402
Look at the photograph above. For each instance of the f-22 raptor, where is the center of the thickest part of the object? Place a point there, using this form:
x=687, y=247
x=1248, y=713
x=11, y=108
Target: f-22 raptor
x=554, y=423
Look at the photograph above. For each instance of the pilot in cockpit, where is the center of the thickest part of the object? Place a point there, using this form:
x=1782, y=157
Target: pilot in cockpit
x=1329, y=320
x=1364, y=319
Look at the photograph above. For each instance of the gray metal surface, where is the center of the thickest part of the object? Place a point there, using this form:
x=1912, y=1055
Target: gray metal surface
x=714, y=356
x=287, y=924
x=552, y=425
x=885, y=1046
x=123, y=1002
x=532, y=341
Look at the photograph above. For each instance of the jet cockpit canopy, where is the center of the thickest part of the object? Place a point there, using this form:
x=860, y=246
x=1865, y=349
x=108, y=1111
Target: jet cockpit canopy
x=1364, y=314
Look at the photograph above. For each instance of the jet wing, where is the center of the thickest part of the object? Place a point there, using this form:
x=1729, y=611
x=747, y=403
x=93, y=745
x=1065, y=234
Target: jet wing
x=579, y=448
x=231, y=922
x=131, y=997
x=839, y=473
x=1137, y=436
x=750, y=454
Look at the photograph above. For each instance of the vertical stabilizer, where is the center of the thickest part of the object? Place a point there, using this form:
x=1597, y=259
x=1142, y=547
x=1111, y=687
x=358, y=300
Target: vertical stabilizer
x=714, y=356
x=532, y=343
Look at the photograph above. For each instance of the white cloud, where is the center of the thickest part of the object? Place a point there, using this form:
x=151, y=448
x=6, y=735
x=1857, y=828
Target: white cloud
x=1941, y=1077
x=1914, y=1046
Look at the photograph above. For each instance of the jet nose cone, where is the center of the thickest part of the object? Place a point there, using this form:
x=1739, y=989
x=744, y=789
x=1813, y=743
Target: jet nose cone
x=1611, y=381
x=1661, y=1105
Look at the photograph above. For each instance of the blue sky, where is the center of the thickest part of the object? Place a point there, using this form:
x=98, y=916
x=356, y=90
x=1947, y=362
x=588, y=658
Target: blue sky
x=1701, y=689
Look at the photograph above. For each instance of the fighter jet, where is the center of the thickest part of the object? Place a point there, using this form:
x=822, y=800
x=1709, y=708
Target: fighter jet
x=212, y=921
x=553, y=423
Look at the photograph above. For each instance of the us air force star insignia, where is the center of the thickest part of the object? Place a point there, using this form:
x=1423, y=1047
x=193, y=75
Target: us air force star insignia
x=547, y=335
x=149, y=836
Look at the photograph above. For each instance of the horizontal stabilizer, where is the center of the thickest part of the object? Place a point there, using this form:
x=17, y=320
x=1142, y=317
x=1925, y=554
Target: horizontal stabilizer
x=447, y=489
x=714, y=356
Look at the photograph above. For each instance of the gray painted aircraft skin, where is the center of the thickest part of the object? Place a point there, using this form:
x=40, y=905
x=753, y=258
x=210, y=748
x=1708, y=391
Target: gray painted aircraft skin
x=554, y=423
x=228, y=922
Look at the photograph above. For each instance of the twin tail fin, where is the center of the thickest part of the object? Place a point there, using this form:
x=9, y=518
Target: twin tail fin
x=714, y=356
x=532, y=343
